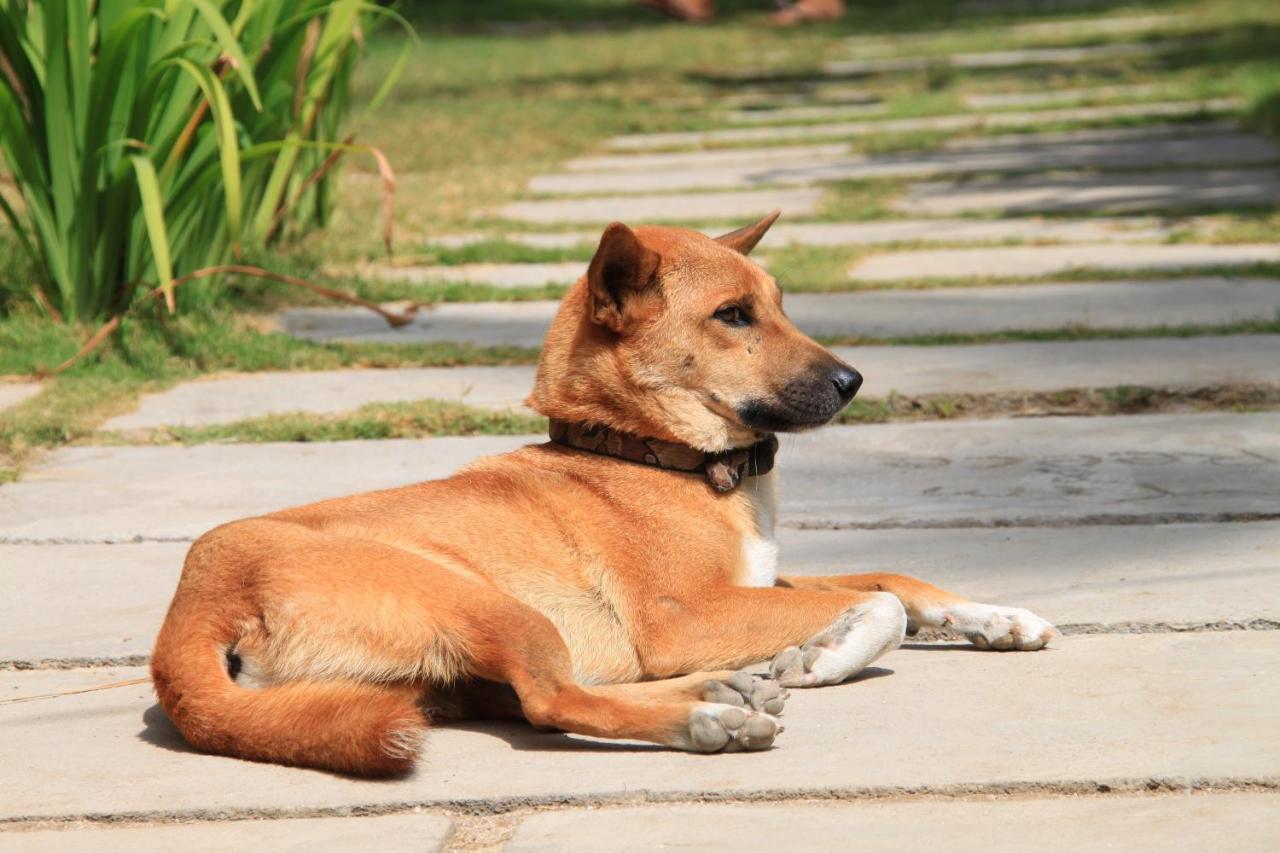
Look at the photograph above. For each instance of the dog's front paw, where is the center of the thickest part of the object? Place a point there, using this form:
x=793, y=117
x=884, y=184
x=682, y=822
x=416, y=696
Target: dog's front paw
x=861, y=634
x=748, y=691
x=1002, y=629
x=716, y=727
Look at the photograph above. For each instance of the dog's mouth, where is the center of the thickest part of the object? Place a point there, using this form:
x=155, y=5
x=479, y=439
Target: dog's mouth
x=804, y=403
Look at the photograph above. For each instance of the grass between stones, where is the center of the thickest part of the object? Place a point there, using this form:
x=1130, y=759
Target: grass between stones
x=799, y=269
x=153, y=355
x=1070, y=333
x=1119, y=400
x=425, y=418
x=417, y=419
x=148, y=358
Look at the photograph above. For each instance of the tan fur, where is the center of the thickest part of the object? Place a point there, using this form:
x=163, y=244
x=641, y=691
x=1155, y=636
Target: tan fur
x=512, y=585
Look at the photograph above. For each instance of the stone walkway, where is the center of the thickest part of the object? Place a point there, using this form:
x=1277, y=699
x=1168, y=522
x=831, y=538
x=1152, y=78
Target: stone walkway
x=1138, y=151
x=1037, y=261
x=1116, y=229
x=1120, y=193
x=1153, y=541
x=663, y=208
x=872, y=313
x=961, y=121
x=985, y=369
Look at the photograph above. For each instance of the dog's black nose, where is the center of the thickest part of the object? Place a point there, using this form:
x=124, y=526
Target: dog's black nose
x=847, y=382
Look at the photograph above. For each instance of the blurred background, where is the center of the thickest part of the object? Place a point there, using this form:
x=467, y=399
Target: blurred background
x=422, y=152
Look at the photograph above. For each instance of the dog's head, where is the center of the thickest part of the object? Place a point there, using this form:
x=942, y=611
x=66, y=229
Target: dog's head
x=677, y=336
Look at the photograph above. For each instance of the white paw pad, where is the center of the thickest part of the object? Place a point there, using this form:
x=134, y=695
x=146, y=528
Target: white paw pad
x=1001, y=628
x=714, y=727
x=861, y=635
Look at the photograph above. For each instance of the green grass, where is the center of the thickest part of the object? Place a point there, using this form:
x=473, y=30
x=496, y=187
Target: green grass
x=1070, y=333
x=1117, y=400
x=152, y=356
x=72, y=407
x=415, y=419
x=427, y=418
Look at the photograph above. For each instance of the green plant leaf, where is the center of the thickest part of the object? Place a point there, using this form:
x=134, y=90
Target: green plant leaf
x=153, y=214
x=227, y=41
x=228, y=144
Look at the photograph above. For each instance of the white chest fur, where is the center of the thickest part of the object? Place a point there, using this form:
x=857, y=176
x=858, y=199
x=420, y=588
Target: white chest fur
x=758, y=564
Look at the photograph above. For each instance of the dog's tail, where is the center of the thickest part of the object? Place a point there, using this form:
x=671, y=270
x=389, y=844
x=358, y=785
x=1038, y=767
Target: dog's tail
x=354, y=727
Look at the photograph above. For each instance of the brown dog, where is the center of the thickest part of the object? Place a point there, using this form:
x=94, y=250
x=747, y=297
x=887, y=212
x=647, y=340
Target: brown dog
x=602, y=583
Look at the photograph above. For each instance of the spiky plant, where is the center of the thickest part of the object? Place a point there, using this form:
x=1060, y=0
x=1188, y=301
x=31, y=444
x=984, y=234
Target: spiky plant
x=148, y=139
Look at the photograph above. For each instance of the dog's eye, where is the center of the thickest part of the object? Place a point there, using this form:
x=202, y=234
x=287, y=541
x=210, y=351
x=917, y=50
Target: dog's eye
x=733, y=315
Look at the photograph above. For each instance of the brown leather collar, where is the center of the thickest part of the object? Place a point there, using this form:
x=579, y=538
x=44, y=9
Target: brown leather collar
x=724, y=470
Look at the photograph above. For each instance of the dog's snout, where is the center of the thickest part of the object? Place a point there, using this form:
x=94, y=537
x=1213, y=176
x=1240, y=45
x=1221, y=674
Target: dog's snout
x=847, y=382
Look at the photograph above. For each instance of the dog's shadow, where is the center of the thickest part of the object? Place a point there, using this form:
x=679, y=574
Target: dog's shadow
x=158, y=731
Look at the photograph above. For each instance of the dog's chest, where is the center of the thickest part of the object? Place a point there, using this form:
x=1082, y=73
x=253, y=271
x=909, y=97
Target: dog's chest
x=758, y=562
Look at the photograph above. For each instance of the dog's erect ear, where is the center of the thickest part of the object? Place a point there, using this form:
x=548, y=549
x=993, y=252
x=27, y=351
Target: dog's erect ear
x=744, y=239
x=622, y=266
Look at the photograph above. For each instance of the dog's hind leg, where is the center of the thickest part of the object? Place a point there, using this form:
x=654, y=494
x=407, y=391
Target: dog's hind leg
x=733, y=687
x=514, y=644
x=987, y=626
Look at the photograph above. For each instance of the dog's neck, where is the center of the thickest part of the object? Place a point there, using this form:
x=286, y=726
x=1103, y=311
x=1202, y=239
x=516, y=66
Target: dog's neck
x=724, y=470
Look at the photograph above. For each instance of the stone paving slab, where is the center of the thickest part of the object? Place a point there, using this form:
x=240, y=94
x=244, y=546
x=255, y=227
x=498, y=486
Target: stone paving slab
x=912, y=370
x=408, y=832
x=871, y=313
x=1042, y=366
x=961, y=121
x=1034, y=472
x=706, y=159
x=1236, y=150
x=105, y=603
x=1014, y=472
x=1196, y=129
x=1119, y=229
x=13, y=393
x=1093, y=709
x=85, y=603
x=1116, y=193
x=1185, y=822
x=665, y=208
x=505, y=275
x=120, y=494
x=218, y=400
x=771, y=155
x=1003, y=58
x=1031, y=261
x=1097, y=230
x=1004, y=100
x=1159, y=574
